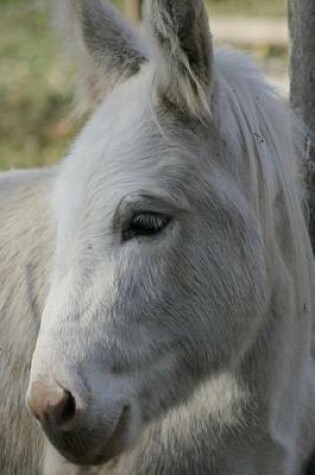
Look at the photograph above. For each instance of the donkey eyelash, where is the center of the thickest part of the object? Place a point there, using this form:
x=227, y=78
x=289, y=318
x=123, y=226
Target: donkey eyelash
x=146, y=224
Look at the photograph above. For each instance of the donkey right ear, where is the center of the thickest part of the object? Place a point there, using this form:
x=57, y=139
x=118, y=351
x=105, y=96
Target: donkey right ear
x=183, y=43
x=106, y=48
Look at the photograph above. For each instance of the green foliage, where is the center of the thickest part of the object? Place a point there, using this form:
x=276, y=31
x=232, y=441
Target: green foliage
x=35, y=128
x=10, y=2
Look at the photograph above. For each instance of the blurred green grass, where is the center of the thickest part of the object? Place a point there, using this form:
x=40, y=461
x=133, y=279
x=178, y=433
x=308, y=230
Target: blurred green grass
x=36, y=127
x=35, y=98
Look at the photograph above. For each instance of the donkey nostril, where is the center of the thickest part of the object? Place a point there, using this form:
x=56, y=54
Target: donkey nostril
x=51, y=404
x=65, y=411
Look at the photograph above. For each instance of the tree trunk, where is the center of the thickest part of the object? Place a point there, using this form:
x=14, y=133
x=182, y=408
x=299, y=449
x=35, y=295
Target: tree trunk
x=302, y=31
x=133, y=10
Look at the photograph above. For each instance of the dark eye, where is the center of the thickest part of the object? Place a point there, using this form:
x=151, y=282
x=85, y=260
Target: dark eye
x=144, y=225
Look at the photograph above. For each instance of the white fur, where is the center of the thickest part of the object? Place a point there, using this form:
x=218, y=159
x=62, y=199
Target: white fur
x=249, y=403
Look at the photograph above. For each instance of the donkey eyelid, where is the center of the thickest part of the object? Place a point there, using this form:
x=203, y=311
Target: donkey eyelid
x=144, y=224
x=130, y=205
x=144, y=204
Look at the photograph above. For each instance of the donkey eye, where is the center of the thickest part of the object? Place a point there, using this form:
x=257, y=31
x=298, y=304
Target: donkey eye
x=144, y=225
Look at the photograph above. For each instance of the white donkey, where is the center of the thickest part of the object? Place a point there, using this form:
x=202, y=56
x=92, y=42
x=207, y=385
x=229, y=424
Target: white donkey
x=164, y=269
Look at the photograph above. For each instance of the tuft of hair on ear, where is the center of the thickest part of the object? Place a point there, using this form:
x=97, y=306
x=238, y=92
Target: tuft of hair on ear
x=182, y=45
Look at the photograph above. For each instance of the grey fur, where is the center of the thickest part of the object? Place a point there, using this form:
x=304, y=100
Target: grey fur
x=206, y=331
x=115, y=48
x=25, y=255
x=104, y=47
x=183, y=42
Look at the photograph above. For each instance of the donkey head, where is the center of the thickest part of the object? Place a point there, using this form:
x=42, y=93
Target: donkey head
x=159, y=274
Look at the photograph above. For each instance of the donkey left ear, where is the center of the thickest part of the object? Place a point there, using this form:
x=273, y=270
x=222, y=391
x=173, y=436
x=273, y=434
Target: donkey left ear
x=106, y=49
x=181, y=33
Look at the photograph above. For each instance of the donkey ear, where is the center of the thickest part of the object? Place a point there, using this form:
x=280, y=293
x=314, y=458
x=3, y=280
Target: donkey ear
x=106, y=49
x=181, y=34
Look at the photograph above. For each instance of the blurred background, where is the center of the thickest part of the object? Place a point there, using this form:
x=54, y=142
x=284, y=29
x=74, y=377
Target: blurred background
x=36, y=122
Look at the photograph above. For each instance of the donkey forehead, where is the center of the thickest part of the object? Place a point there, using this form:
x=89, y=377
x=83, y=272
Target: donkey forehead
x=122, y=151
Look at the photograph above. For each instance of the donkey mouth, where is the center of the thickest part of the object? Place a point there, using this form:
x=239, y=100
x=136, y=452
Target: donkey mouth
x=83, y=447
x=117, y=442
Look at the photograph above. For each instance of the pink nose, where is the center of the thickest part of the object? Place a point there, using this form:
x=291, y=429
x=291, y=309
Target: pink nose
x=51, y=403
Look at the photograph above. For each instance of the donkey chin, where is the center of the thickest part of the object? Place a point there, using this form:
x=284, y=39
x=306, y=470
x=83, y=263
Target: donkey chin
x=93, y=447
x=80, y=436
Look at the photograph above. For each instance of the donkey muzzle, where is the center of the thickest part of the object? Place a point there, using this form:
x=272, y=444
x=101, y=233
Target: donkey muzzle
x=80, y=436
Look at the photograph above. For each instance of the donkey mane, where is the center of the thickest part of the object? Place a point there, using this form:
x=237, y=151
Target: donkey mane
x=266, y=140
